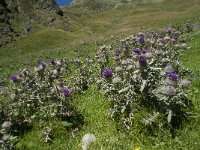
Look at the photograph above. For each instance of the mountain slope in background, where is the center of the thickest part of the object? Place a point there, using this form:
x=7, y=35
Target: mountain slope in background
x=19, y=17
x=106, y=4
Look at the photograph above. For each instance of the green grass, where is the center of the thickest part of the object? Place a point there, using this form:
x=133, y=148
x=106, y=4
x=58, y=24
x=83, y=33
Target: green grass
x=88, y=31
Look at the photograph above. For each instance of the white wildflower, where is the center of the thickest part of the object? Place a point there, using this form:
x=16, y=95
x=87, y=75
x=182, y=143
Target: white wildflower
x=87, y=139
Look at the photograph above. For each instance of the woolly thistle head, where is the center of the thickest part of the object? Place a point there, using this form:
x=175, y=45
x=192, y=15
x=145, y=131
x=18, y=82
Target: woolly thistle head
x=14, y=78
x=107, y=73
x=168, y=90
x=173, y=76
x=168, y=69
x=185, y=83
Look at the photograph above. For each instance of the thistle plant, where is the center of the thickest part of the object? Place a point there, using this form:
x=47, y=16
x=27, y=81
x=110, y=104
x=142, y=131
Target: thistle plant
x=146, y=72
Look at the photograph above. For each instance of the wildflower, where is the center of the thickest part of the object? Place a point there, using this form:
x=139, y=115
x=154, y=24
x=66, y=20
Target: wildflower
x=185, y=83
x=168, y=69
x=87, y=139
x=116, y=80
x=137, y=148
x=66, y=92
x=14, y=78
x=43, y=64
x=52, y=61
x=136, y=50
x=144, y=51
x=107, y=73
x=168, y=90
x=141, y=40
x=142, y=60
x=173, y=76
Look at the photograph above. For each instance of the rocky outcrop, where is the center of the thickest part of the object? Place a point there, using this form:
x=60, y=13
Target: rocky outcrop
x=18, y=17
x=5, y=26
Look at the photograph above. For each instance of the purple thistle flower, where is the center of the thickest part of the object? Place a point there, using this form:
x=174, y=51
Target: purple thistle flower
x=107, y=73
x=14, y=78
x=52, y=61
x=141, y=40
x=144, y=51
x=142, y=60
x=117, y=52
x=173, y=76
x=66, y=91
x=43, y=64
x=136, y=50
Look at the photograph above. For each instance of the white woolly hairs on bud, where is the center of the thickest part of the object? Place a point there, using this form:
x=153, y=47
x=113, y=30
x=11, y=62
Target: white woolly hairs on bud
x=87, y=139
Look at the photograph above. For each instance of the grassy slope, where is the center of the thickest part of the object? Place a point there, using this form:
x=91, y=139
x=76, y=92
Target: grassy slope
x=94, y=107
x=89, y=29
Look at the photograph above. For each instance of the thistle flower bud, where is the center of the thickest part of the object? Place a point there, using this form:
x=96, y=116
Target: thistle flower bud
x=142, y=60
x=66, y=92
x=116, y=80
x=124, y=62
x=185, y=83
x=6, y=137
x=43, y=64
x=141, y=40
x=173, y=76
x=55, y=72
x=168, y=69
x=52, y=61
x=136, y=50
x=107, y=73
x=118, y=69
x=14, y=78
x=168, y=90
x=6, y=124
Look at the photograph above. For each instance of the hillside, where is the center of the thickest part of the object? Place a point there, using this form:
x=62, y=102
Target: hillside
x=108, y=4
x=22, y=16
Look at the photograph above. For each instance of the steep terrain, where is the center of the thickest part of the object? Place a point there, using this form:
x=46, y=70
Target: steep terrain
x=19, y=17
x=107, y=4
